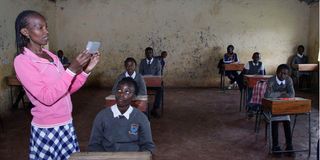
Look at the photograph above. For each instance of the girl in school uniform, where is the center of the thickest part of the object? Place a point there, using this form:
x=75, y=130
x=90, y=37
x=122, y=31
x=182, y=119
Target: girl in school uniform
x=121, y=128
x=229, y=58
x=130, y=65
x=48, y=86
x=281, y=86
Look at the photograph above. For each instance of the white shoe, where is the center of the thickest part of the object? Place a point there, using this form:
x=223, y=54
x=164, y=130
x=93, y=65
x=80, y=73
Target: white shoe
x=235, y=85
x=230, y=86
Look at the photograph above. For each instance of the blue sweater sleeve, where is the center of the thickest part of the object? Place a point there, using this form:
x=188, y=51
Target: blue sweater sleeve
x=96, y=138
x=145, y=139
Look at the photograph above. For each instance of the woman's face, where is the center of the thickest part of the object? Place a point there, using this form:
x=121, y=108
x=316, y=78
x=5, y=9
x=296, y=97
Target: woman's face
x=124, y=95
x=36, y=30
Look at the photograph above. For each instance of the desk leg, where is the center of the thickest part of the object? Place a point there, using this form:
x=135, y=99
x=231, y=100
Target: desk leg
x=11, y=97
x=270, y=136
x=223, y=76
x=241, y=97
x=298, y=77
x=309, y=134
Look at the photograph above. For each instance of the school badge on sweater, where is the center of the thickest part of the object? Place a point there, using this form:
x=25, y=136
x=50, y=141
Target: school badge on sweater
x=134, y=129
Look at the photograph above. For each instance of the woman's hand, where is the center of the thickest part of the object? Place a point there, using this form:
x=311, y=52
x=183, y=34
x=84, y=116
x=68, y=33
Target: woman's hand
x=81, y=60
x=92, y=63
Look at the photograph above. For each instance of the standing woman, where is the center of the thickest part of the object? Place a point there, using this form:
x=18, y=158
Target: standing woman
x=48, y=86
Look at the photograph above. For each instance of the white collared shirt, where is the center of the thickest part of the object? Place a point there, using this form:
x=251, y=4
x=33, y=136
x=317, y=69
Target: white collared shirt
x=149, y=61
x=299, y=55
x=117, y=113
x=132, y=76
x=280, y=82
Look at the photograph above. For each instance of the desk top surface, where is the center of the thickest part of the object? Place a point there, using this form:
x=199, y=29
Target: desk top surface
x=286, y=99
x=140, y=97
x=233, y=66
x=258, y=76
x=307, y=67
x=111, y=155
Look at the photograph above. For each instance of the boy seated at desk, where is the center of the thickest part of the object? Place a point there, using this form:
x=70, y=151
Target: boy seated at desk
x=300, y=58
x=281, y=86
x=161, y=58
x=121, y=127
x=130, y=66
x=230, y=58
x=151, y=66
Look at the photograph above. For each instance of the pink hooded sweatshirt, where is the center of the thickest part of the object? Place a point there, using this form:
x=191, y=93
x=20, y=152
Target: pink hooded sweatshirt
x=48, y=87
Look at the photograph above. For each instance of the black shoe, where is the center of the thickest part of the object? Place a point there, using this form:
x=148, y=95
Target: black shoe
x=289, y=154
x=275, y=150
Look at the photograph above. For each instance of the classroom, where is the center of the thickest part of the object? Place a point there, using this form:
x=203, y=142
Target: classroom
x=202, y=79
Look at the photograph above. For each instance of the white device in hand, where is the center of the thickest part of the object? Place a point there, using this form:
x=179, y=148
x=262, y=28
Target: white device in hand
x=92, y=47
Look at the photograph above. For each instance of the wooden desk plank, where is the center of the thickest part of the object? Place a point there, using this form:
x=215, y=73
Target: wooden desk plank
x=251, y=80
x=13, y=81
x=278, y=106
x=307, y=67
x=153, y=81
x=140, y=102
x=111, y=156
x=233, y=67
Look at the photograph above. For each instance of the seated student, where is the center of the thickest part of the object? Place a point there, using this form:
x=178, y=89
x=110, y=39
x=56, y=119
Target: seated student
x=121, y=127
x=229, y=58
x=281, y=86
x=130, y=66
x=300, y=58
x=64, y=60
x=254, y=67
x=151, y=66
x=161, y=59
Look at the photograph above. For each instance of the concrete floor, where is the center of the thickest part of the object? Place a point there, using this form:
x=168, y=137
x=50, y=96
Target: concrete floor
x=199, y=123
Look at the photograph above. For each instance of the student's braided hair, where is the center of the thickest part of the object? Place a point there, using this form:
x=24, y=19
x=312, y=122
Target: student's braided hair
x=22, y=22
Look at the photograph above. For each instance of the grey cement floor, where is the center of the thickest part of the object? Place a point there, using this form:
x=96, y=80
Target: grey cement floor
x=198, y=124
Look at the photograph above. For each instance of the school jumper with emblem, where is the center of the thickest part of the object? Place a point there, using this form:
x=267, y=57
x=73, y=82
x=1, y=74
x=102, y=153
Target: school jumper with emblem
x=275, y=89
x=137, y=77
x=152, y=67
x=114, y=132
x=49, y=87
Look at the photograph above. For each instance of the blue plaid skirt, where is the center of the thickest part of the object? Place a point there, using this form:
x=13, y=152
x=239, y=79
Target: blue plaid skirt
x=56, y=143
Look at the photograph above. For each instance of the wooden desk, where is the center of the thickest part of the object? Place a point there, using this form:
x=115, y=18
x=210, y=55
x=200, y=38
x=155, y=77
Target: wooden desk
x=155, y=84
x=229, y=67
x=153, y=81
x=286, y=106
x=307, y=67
x=111, y=156
x=13, y=81
x=140, y=102
x=251, y=80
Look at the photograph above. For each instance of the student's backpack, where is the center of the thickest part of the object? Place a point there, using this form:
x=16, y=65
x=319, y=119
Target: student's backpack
x=219, y=66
